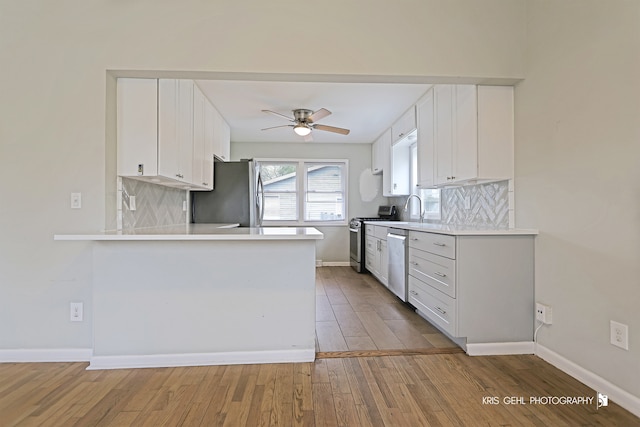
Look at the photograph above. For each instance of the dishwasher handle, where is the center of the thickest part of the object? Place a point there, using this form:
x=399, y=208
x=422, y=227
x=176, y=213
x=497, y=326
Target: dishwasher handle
x=396, y=236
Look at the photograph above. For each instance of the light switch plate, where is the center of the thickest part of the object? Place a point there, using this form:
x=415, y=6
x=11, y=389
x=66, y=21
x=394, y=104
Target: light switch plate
x=76, y=200
x=76, y=312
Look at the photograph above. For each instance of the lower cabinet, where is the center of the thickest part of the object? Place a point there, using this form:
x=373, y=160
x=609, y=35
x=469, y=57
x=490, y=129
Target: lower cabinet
x=376, y=258
x=475, y=288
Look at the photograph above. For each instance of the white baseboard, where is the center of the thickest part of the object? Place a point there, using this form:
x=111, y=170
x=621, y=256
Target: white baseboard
x=46, y=355
x=500, y=348
x=201, y=359
x=623, y=398
x=333, y=263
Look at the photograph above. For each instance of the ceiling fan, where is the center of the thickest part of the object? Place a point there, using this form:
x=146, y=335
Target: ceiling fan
x=304, y=121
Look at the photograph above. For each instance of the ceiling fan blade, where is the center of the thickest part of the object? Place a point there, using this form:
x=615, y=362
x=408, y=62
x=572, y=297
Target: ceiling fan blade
x=278, y=114
x=317, y=115
x=275, y=127
x=332, y=129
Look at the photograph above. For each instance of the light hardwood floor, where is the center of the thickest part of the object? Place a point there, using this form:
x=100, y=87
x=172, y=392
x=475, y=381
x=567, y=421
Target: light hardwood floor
x=450, y=389
x=397, y=391
x=355, y=313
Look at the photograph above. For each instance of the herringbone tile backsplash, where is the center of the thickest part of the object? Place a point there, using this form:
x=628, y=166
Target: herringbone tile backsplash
x=156, y=205
x=489, y=205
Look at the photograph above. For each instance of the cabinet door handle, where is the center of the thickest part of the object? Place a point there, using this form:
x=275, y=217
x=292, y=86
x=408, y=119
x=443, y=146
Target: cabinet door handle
x=437, y=273
x=413, y=293
x=441, y=310
x=439, y=244
x=205, y=183
x=415, y=239
x=414, y=263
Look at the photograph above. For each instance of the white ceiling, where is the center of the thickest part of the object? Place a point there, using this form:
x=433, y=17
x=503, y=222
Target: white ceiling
x=367, y=109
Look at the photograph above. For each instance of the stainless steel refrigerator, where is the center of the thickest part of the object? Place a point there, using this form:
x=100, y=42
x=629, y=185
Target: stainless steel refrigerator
x=236, y=196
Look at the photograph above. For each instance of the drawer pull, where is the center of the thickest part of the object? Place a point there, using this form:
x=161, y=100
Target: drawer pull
x=414, y=263
x=441, y=310
x=437, y=273
x=439, y=244
x=413, y=293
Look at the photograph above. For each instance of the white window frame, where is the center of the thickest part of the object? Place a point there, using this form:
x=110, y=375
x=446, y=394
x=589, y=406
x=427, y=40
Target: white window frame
x=296, y=192
x=414, y=215
x=301, y=191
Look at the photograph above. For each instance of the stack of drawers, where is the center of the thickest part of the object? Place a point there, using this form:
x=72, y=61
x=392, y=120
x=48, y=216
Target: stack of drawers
x=375, y=256
x=432, y=278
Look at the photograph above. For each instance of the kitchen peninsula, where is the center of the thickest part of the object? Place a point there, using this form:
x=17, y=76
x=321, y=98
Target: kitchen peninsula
x=202, y=294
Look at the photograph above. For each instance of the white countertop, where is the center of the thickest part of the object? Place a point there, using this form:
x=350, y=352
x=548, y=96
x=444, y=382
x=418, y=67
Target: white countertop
x=201, y=232
x=454, y=230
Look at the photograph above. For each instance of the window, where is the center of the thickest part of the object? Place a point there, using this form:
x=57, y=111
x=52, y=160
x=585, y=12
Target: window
x=430, y=197
x=280, y=180
x=304, y=192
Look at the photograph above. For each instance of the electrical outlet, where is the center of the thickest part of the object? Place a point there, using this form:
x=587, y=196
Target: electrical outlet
x=132, y=203
x=619, y=334
x=544, y=313
x=76, y=312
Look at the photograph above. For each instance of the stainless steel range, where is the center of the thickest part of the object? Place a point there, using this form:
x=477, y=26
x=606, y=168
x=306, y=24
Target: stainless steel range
x=356, y=235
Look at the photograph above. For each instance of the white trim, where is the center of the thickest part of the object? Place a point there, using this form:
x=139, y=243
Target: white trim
x=622, y=397
x=500, y=348
x=201, y=359
x=333, y=264
x=46, y=355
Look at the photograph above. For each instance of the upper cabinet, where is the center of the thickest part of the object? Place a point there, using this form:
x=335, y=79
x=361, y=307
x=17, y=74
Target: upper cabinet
x=404, y=125
x=221, y=137
x=202, y=140
x=472, y=132
x=175, y=130
x=425, y=147
x=380, y=153
x=168, y=132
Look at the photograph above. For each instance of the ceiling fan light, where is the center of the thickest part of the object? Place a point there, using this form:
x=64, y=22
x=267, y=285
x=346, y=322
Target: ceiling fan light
x=302, y=130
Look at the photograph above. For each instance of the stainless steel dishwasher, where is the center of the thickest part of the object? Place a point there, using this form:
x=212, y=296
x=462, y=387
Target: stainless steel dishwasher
x=397, y=255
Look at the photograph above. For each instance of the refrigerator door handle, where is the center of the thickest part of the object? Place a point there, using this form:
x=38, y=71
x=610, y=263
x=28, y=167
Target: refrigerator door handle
x=260, y=199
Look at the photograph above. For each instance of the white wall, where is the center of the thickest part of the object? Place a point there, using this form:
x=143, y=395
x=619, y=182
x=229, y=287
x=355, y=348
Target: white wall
x=55, y=59
x=578, y=177
x=335, y=245
x=576, y=153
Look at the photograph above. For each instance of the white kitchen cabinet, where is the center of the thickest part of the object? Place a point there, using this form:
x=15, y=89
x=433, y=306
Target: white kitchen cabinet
x=376, y=255
x=426, y=128
x=443, y=133
x=380, y=153
x=404, y=125
x=473, y=134
x=175, y=129
x=202, y=140
x=137, y=118
x=155, y=132
x=476, y=288
x=221, y=137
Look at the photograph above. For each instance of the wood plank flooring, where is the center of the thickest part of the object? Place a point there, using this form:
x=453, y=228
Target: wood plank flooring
x=433, y=390
x=418, y=379
x=356, y=315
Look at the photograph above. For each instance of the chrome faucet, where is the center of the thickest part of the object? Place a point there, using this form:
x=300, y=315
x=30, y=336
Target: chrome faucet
x=406, y=205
